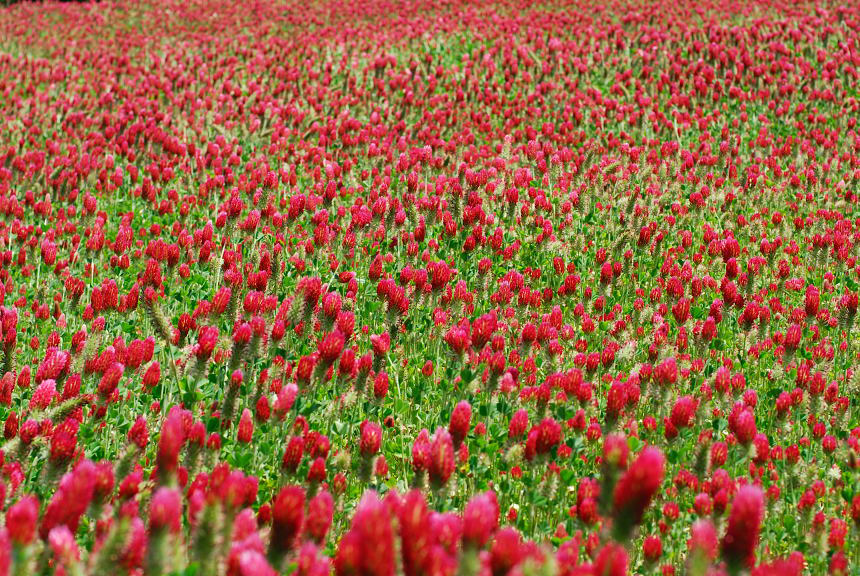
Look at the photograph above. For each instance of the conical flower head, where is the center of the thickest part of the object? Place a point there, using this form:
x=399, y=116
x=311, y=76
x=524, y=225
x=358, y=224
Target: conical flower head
x=741, y=538
x=367, y=549
x=460, y=422
x=421, y=450
x=245, y=430
x=416, y=537
x=288, y=515
x=636, y=488
x=165, y=511
x=21, y=520
x=319, y=518
x=612, y=560
x=371, y=438
x=441, y=457
x=71, y=500
x=170, y=442
x=480, y=519
x=506, y=551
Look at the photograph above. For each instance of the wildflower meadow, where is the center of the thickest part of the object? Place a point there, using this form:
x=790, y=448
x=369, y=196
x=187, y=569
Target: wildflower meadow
x=430, y=288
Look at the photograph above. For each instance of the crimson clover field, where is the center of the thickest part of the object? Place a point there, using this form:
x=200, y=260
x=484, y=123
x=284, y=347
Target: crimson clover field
x=431, y=288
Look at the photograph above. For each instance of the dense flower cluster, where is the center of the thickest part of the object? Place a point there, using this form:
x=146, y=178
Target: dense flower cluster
x=429, y=288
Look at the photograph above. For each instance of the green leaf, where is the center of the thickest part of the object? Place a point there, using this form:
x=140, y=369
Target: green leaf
x=634, y=443
x=568, y=477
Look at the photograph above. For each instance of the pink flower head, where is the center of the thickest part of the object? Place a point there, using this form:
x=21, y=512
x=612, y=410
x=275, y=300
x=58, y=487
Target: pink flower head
x=293, y=453
x=460, y=422
x=251, y=562
x=138, y=433
x=165, y=511
x=741, y=538
x=63, y=545
x=72, y=498
x=206, y=341
x=703, y=539
x=441, y=457
x=616, y=450
x=367, y=549
x=421, y=450
x=548, y=435
x=170, y=442
x=288, y=516
x=245, y=429
x=506, y=551
x=792, y=337
x=519, y=424
x=636, y=488
x=612, y=560
x=64, y=441
x=21, y=520
x=371, y=438
x=480, y=519
x=319, y=518
x=683, y=412
x=330, y=347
